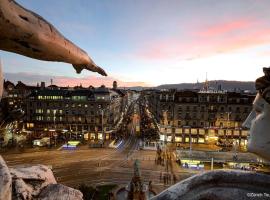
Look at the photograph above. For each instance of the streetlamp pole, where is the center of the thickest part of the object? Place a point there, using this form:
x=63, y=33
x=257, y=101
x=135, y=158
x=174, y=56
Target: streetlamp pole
x=228, y=121
x=54, y=111
x=102, y=112
x=190, y=148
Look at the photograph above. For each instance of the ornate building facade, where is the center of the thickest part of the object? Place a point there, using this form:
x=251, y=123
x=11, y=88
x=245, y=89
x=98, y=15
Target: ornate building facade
x=199, y=116
x=89, y=112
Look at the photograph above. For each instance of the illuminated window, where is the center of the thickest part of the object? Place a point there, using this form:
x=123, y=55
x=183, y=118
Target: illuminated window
x=236, y=132
x=229, y=132
x=39, y=118
x=178, y=139
x=178, y=130
x=39, y=111
x=201, y=140
x=201, y=131
x=193, y=131
x=244, y=133
x=29, y=125
x=194, y=140
x=220, y=132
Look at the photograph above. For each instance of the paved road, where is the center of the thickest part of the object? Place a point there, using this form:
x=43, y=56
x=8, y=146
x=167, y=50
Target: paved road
x=98, y=166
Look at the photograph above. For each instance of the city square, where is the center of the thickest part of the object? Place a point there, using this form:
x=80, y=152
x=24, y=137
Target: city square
x=134, y=100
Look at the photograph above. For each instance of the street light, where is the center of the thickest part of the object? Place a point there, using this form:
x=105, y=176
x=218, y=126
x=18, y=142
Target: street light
x=190, y=148
x=165, y=116
x=228, y=121
x=102, y=123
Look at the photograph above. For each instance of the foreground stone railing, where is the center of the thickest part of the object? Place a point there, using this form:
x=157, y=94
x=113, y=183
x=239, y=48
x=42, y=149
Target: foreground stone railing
x=33, y=182
x=220, y=185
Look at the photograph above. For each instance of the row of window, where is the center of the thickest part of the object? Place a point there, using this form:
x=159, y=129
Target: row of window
x=67, y=105
x=216, y=123
x=195, y=131
x=49, y=111
x=50, y=97
x=75, y=98
x=213, y=108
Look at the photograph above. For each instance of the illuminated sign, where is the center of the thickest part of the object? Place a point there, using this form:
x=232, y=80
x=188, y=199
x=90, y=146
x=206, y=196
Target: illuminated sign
x=73, y=143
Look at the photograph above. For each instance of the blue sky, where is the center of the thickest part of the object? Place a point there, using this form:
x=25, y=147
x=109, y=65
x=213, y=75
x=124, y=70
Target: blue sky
x=154, y=42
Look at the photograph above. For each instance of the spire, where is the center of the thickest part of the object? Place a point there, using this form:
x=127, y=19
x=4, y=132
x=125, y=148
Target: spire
x=206, y=84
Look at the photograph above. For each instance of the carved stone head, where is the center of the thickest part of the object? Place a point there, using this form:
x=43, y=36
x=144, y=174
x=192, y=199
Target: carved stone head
x=259, y=119
x=1, y=81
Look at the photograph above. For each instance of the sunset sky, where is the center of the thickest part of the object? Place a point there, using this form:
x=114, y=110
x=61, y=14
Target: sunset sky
x=153, y=42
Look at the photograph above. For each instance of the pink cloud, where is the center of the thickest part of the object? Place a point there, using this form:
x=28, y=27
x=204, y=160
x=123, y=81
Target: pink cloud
x=226, y=27
x=94, y=81
x=204, y=41
x=33, y=79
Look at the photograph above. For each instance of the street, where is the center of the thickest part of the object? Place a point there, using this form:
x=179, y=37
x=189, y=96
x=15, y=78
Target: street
x=100, y=165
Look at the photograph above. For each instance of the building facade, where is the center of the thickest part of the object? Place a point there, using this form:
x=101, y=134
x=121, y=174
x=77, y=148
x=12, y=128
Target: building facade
x=91, y=112
x=200, y=116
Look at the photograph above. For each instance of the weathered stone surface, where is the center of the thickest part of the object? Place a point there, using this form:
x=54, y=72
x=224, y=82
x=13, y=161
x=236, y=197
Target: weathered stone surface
x=59, y=192
x=24, y=32
x=35, y=177
x=33, y=182
x=1, y=80
x=21, y=191
x=5, y=181
x=219, y=185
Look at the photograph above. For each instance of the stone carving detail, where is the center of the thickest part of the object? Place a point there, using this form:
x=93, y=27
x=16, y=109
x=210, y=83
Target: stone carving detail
x=258, y=120
x=54, y=191
x=32, y=183
x=25, y=32
x=5, y=181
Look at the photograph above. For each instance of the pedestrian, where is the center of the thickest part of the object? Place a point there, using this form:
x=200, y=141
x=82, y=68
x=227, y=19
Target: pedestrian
x=164, y=180
x=174, y=179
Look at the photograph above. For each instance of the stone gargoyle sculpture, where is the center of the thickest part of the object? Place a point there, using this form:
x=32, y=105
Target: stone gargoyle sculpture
x=25, y=32
x=234, y=184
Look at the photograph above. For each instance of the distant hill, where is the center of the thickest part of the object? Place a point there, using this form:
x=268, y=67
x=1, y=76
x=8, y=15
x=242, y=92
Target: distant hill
x=225, y=85
x=137, y=88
